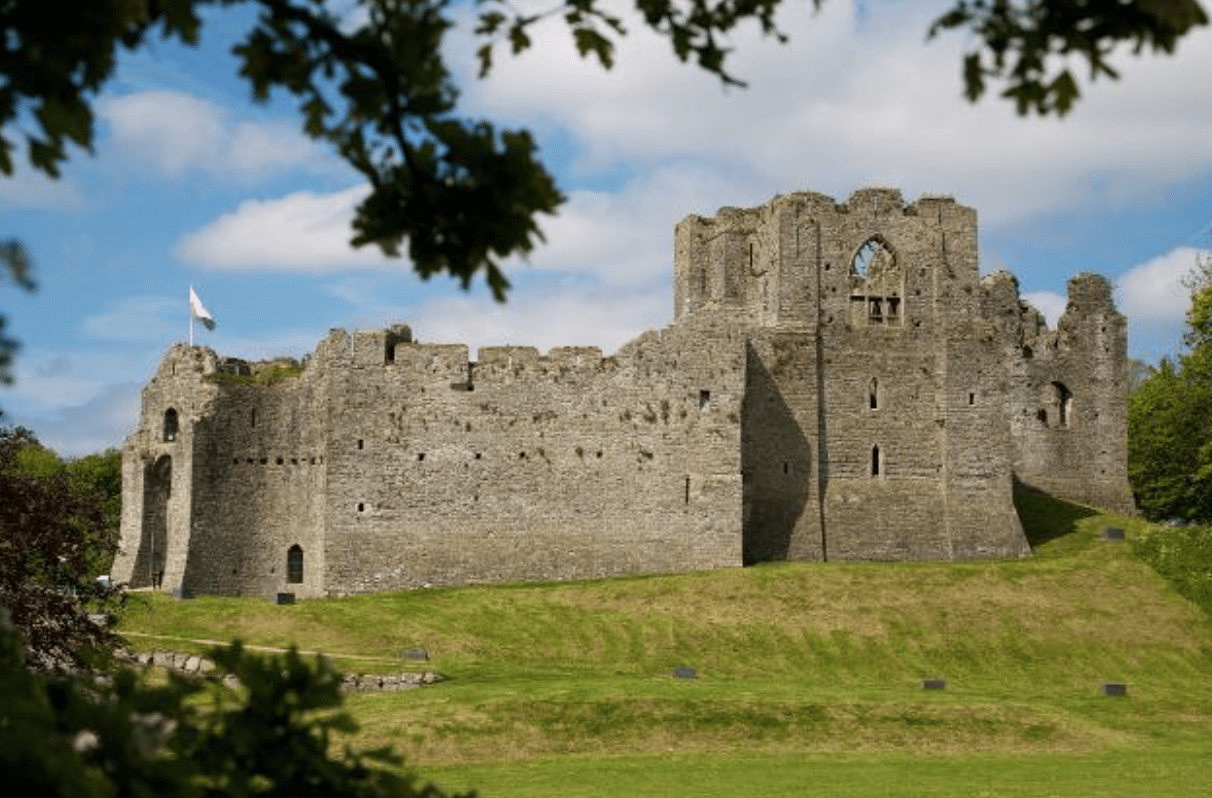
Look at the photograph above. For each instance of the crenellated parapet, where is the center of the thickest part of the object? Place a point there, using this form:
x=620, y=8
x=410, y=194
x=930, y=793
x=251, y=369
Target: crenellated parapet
x=838, y=382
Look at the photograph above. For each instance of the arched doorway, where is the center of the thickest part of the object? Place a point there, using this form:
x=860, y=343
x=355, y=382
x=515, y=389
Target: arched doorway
x=153, y=544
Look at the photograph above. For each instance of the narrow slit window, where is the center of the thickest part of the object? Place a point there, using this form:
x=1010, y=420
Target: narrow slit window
x=875, y=461
x=686, y=500
x=252, y=417
x=704, y=398
x=873, y=394
x=971, y=398
x=294, y=564
x=171, y=425
x=359, y=443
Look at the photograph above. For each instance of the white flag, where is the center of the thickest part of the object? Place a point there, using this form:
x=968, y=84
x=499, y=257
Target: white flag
x=199, y=311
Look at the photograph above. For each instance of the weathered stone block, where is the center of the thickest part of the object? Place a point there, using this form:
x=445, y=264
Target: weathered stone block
x=839, y=383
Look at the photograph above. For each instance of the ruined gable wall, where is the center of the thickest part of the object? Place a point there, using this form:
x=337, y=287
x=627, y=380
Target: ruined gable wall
x=1068, y=393
x=157, y=471
x=521, y=466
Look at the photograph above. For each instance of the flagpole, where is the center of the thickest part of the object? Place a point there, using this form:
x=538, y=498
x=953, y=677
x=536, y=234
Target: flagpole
x=191, y=319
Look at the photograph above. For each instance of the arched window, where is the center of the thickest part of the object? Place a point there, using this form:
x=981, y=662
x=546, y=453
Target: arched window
x=294, y=564
x=873, y=394
x=872, y=259
x=170, y=424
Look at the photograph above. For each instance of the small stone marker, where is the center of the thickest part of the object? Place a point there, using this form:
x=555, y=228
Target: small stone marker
x=685, y=673
x=934, y=684
x=1113, y=533
x=1114, y=689
x=415, y=653
x=285, y=598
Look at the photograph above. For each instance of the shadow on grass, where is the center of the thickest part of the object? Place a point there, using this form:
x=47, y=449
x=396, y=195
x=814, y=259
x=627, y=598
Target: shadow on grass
x=1046, y=518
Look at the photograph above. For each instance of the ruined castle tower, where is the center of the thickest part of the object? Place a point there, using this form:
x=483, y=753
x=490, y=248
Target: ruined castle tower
x=838, y=383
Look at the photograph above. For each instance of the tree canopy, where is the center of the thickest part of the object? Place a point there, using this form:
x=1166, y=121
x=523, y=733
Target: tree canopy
x=58, y=532
x=1170, y=420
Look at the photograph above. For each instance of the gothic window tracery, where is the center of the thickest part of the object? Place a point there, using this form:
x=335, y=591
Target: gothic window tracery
x=877, y=285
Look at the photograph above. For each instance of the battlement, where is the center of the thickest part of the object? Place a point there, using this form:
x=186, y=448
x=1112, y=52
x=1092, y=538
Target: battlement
x=838, y=382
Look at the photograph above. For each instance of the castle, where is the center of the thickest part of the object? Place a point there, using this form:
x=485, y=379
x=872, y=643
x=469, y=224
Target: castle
x=838, y=383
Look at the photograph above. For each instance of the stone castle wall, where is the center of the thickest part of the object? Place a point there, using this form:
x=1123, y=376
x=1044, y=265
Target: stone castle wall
x=838, y=383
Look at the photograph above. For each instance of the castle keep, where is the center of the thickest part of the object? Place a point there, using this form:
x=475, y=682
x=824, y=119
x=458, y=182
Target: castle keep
x=838, y=383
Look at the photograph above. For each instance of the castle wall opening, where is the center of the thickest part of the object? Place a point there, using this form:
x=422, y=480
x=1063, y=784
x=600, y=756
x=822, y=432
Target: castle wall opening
x=153, y=544
x=294, y=565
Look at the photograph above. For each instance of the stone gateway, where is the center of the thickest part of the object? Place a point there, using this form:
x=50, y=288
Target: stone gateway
x=838, y=383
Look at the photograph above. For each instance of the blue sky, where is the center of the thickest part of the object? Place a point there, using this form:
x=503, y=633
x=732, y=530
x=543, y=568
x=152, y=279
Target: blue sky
x=190, y=182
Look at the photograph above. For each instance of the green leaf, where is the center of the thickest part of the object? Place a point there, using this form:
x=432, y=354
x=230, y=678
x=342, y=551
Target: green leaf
x=484, y=55
x=1064, y=91
x=518, y=38
x=590, y=41
x=489, y=23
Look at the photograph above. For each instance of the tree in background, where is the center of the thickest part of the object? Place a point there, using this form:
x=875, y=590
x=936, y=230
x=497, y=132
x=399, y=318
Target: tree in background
x=58, y=532
x=1170, y=419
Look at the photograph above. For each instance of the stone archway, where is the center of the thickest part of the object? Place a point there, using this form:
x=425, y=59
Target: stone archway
x=153, y=543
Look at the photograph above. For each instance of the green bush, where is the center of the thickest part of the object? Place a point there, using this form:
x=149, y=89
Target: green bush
x=1183, y=555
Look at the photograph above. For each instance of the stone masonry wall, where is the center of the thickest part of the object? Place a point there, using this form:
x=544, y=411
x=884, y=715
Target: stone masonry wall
x=521, y=466
x=838, y=383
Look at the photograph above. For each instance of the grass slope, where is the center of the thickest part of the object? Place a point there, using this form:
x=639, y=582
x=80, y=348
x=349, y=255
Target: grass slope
x=807, y=674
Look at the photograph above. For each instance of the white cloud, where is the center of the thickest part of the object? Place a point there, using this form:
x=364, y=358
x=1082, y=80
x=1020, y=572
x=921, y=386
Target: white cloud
x=847, y=104
x=1153, y=298
x=1153, y=291
x=303, y=231
x=625, y=236
x=100, y=422
x=138, y=319
x=176, y=133
x=1050, y=303
x=566, y=316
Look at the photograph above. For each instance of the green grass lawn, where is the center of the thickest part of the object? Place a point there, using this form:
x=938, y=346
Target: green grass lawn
x=808, y=675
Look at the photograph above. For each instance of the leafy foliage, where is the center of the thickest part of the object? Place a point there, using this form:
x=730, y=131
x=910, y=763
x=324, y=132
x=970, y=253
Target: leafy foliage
x=1183, y=555
x=1029, y=44
x=15, y=266
x=457, y=195
x=273, y=739
x=1170, y=420
x=58, y=531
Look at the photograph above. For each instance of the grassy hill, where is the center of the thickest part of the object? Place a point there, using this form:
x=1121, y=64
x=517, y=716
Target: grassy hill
x=808, y=675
